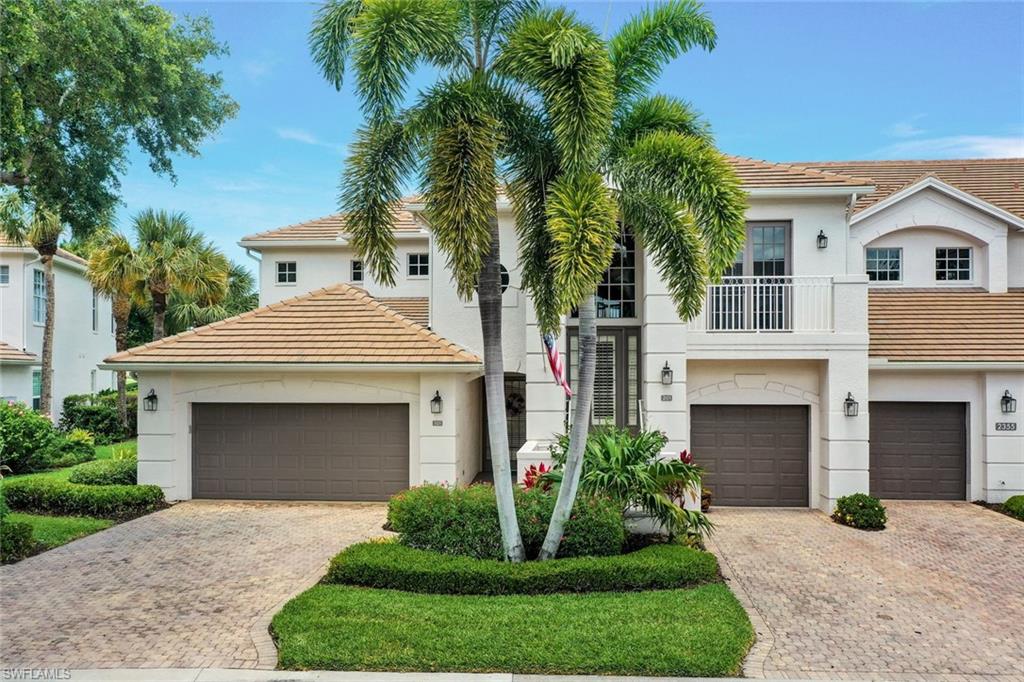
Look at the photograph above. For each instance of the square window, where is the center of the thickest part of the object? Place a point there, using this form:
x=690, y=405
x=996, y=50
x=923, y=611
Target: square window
x=953, y=264
x=884, y=265
x=287, y=272
x=5, y=274
x=419, y=264
x=357, y=271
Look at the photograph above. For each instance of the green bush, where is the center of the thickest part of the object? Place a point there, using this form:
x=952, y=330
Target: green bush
x=4, y=509
x=27, y=439
x=860, y=511
x=15, y=540
x=106, y=472
x=390, y=565
x=1015, y=506
x=73, y=448
x=52, y=496
x=97, y=414
x=464, y=521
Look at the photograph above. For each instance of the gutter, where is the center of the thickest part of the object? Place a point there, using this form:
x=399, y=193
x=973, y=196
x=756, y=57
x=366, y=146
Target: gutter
x=948, y=365
x=781, y=192
x=121, y=366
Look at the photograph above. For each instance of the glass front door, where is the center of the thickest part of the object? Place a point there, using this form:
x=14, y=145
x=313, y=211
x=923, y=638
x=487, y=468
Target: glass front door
x=616, y=375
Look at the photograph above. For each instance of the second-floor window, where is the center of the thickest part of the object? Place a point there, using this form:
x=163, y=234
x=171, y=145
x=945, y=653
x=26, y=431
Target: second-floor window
x=357, y=271
x=38, y=297
x=953, y=264
x=95, y=310
x=37, y=389
x=616, y=294
x=5, y=274
x=884, y=265
x=419, y=264
x=287, y=272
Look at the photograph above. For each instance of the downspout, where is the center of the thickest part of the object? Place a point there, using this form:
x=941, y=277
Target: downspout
x=846, y=242
x=259, y=272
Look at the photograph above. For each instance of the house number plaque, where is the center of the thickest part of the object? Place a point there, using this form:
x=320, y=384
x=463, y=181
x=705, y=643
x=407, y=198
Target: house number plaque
x=1006, y=426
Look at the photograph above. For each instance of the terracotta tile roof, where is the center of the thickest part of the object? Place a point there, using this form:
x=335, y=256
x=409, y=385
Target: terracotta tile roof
x=415, y=308
x=63, y=253
x=9, y=353
x=946, y=325
x=754, y=173
x=338, y=324
x=998, y=181
x=329, y=227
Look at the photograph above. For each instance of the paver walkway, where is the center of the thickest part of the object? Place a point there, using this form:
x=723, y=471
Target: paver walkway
x=192, y=586
x=938, y=595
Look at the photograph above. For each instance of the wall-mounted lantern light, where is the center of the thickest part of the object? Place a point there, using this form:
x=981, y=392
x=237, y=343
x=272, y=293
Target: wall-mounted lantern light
x=149, y=402
x=822, y=239
x=1008, y=403
x=436, y=404
x=850, y=406
x=666, y=375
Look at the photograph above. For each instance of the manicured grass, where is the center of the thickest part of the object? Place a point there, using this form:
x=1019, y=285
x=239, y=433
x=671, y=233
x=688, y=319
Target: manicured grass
x=130, y=447
x=701, y=631
x=102, y=452
x=53, y=531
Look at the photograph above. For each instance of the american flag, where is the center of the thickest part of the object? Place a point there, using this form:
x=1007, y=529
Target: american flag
x=555, y=362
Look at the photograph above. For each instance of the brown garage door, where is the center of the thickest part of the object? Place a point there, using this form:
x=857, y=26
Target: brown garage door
x=919, y=451
x=753, y=455
x=257, y=451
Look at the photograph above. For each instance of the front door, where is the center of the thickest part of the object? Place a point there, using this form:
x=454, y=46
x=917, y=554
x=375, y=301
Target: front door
x=755, y=290
x=616, y=376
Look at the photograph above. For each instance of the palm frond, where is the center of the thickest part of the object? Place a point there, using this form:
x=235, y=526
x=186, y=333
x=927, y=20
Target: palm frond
x=657, y=112
x=654, y=37
x=331, y=36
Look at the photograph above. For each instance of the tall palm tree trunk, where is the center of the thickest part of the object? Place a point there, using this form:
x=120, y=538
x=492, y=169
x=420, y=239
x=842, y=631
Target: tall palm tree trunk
x=580, y=430
x=489, y=293
x=122, y=310
x=46, y=386
x=159, y=315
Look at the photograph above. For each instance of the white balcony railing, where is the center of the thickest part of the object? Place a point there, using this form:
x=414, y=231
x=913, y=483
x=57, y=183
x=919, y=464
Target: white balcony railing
x=767, y=305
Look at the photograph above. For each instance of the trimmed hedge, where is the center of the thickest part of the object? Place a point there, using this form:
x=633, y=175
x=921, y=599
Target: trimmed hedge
x=390, y=565
x=75, y=447
x=106, y=472
x=1015, y=506
x=860, y=511
x=51, y=496
x=97, y=414
x=464, y=521
x=15, y=541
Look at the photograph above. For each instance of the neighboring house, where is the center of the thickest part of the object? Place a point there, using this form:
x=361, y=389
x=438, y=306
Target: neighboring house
x=83, y=334
x=864, y=340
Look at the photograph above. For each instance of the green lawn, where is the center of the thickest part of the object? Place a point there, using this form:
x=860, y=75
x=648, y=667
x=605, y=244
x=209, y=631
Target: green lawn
x=53, y=531
x=128, y=447
x=701, y=631
x=102, y=452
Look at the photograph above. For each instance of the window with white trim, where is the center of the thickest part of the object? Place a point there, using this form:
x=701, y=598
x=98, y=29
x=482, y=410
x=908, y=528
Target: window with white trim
x=953, y=264
x=95, y=310
x=37, y=389
x=92, y=381
x=884, y=265
x=287, y=272
x=38, y=297
x=419, y=264
x=357, y=271
x=5, y=274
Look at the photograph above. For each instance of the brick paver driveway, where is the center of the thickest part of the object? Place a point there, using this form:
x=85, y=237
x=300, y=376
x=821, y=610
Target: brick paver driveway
x=937, y=595
x=191, y=586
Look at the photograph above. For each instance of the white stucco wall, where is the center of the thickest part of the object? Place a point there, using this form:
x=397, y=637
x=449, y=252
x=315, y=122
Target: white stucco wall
x=808, y=217
x=919, y=246
x=1015, y=259
x=16, y=382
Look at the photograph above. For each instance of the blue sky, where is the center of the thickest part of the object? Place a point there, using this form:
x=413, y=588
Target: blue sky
x=788, y=81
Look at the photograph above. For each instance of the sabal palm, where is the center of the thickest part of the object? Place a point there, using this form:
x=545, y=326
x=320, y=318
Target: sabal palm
x=184, y=311
x=175, y=258
x=463, y=128
x=115, y=269
x=669, y=184
x=40, y=228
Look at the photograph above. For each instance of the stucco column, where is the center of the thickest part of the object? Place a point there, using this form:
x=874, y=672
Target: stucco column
x=1003, y=461
x=663, y=340
x=998, y=261
x=545, y=401
x=438, y=432
x=164, y=454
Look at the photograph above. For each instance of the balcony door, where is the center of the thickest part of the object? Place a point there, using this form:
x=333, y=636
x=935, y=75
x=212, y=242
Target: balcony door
x=755, y=293
x=616, y=376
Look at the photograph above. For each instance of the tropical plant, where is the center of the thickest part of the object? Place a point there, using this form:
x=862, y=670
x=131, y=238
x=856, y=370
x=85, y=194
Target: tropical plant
x=40, y=228
x=669, y=184
x=185, y=310
x=629, y=469
x=464, y=127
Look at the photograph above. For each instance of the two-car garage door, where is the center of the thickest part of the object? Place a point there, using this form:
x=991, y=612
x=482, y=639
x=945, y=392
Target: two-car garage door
x=299, y=451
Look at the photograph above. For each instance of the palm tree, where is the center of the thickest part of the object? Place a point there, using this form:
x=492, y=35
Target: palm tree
x=185, y=311
x=464, y=127
x=666, y=180
x=116, y=270
x=176, y=258
x=40, y=228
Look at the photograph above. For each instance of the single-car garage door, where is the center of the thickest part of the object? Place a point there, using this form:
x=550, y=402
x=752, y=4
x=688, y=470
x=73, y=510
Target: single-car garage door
x=919, y=451
x=753, y=455
x=255, y=451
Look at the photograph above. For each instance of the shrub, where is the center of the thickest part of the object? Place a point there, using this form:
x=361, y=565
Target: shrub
x=860, y=511
x=98, y=415
x=106, y=472
x=465, y=521
x=73, y=448
x=27, y=439
x=4, y=509
x=1015, y=506
x=15, y=540
x=390, y=565
x=51, y=496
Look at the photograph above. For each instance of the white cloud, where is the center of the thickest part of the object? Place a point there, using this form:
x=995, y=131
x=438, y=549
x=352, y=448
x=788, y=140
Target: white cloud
x=955, y=147
x=306, y=137
x=905, y=128
x=256, y=69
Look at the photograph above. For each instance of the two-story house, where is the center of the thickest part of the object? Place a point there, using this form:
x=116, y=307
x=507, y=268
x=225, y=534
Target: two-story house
x=869, y=337
x=83, y=330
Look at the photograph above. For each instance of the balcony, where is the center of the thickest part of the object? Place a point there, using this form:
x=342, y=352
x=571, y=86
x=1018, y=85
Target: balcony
x=768, y=305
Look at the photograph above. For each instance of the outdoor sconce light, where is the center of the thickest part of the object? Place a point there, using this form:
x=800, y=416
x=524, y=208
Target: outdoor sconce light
x=666, y=375
x=1008, y=403
x=822, y=239
x=850, y=406
x=436, y=404
x=149, y=402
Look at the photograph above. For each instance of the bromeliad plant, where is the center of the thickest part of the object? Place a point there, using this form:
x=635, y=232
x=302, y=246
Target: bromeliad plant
x=629, y=469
